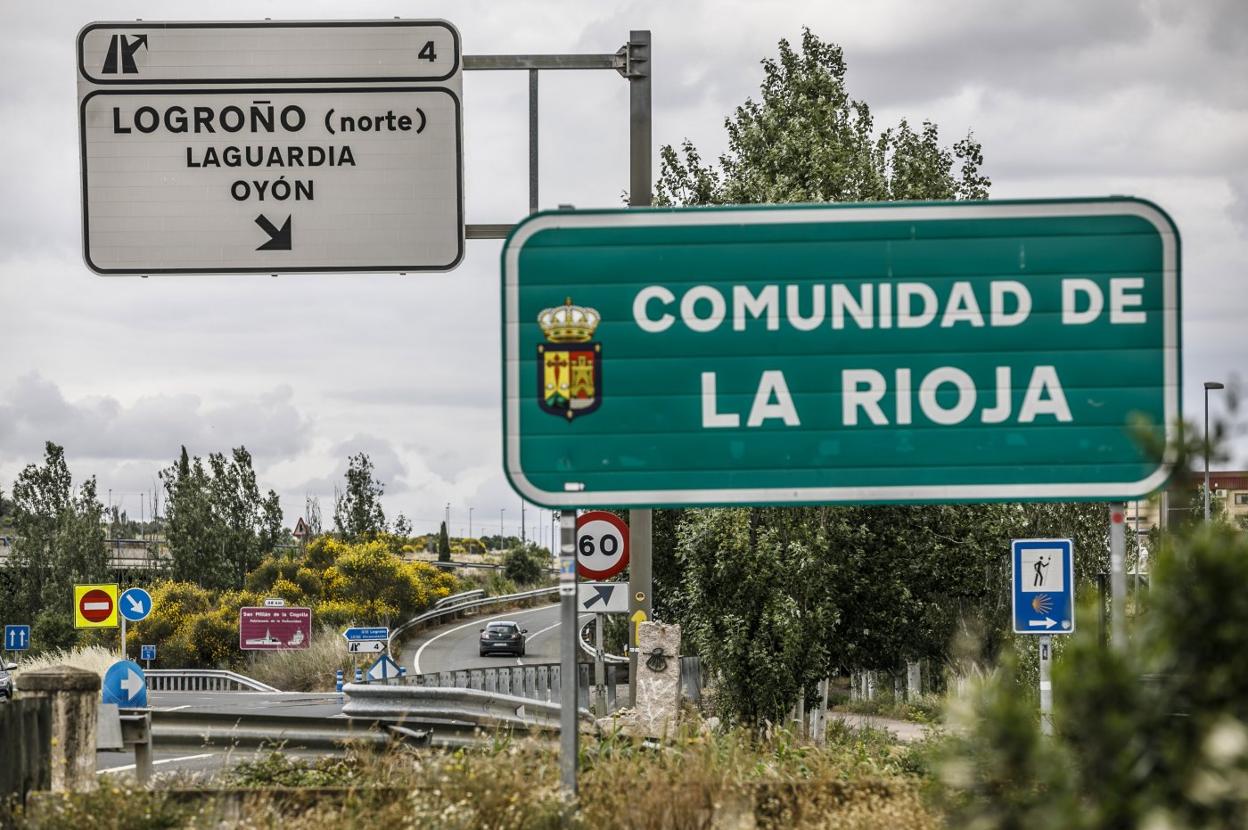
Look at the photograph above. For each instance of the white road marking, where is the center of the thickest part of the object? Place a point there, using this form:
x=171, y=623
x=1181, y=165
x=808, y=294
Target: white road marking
x=478, y=622
x=520, y=662
x=154, y=763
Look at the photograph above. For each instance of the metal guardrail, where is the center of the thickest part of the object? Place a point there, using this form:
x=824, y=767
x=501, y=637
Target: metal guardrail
x=439, y=614
x=433, y=705
x=184, y=729
x=588, y=648
x=458, y=599
x=533, y=681
x=202, y=680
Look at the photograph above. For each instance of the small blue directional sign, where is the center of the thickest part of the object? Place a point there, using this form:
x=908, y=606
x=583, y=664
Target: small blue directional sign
x=17, y=637
x=125, y=685
x=383, y=669
x=356, y=635
x=134, y=604
x=147, y=652
x=1044, y=586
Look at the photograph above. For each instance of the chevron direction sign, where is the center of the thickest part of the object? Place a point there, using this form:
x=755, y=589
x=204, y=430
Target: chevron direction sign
x=815, y=354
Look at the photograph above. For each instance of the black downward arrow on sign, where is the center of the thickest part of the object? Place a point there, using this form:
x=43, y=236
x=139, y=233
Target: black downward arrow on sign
x=603, y=595
x=279, y=240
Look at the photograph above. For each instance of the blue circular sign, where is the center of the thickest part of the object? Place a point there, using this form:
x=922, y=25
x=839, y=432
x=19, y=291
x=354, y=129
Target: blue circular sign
x=134, y=604
x=125, y=684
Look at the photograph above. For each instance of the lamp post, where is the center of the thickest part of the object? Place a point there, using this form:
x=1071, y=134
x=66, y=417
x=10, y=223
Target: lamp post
x=501, y=534
x=469, y=522
x=1209, y=384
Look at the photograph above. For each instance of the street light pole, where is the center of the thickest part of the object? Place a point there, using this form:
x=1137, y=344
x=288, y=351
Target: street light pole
x=501, y=534
x=469, y=522
x=1209, y=384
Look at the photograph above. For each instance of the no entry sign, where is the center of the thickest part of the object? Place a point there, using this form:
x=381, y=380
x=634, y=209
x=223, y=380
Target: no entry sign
x=95, y=606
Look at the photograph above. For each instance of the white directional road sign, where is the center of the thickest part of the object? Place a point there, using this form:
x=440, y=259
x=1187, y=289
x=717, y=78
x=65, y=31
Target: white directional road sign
x=270, y=147
x=602, y=597
x=366, y=647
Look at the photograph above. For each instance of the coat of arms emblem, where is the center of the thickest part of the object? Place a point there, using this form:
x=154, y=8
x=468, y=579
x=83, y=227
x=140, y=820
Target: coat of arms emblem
x=569, y=363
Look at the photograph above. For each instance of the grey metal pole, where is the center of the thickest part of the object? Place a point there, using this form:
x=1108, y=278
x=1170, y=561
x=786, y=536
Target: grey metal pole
x=123, y=637
x=1206, y=453
x=1117, y=576
x=640, y=522
x=1046, y=685
x=600, y=668
x=533, y=140
x=567, y=652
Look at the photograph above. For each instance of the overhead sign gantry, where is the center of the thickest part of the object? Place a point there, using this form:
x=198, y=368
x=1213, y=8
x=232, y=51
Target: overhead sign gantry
x=271, y=147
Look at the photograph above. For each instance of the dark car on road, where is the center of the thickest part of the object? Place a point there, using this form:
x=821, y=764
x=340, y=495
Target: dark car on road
x=6, y=680
x=503, y=637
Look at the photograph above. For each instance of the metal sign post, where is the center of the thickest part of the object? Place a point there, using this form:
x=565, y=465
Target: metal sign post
x=1043, y=598
x=1117, y=576
x=1046, y=684
x=567, y=652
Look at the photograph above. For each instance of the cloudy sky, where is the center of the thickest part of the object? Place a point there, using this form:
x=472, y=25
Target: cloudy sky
x=1068, y=98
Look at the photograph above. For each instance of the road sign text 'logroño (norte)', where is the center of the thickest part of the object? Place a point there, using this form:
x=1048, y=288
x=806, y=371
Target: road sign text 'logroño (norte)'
x=889, y=352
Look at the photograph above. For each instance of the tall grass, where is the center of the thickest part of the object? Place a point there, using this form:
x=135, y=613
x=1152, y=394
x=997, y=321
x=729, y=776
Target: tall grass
x=860, y=780
x=306, y=670
x=92, y=658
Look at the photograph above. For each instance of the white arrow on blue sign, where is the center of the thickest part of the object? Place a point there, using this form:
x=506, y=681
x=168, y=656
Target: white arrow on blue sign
x=358, y=634
x=17, y=637
x=383, y=669
x=125, y=684
x=1044, y=586
x=134, y=604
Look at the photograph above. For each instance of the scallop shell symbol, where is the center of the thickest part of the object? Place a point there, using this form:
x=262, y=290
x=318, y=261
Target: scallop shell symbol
x=1042, y=603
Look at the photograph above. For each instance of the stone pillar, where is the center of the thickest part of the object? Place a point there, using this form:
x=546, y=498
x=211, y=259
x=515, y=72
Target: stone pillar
x=658, y=679
x=914, y=685
x=74, y=696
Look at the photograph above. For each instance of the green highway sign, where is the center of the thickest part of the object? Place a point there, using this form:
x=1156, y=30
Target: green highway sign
x=889, y=352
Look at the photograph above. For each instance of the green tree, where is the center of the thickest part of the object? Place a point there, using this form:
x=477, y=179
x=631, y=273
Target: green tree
x=358, y=515
x=59, y=541
x=806, y=140
x=523, y=564
x=444, y=544
x=218, y=526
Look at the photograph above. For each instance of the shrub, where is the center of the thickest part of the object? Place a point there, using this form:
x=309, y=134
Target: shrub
x=1156, y=735
x=522, y=566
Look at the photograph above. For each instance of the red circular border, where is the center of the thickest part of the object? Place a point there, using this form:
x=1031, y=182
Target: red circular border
x=95, y=594
x=603, y=515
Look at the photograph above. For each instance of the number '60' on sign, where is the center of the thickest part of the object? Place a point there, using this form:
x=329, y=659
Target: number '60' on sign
x=601, y=544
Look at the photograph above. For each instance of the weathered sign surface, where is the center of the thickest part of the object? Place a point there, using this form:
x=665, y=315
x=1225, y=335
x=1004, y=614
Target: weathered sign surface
x=923, y=352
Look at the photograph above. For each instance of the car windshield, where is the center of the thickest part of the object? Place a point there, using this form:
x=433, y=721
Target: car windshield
x=502, y=628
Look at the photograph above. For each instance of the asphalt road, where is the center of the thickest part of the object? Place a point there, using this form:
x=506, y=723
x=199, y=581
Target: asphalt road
x=448, y=647
x=456, y=646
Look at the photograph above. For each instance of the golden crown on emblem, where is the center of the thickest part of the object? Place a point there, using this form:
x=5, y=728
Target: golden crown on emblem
x=569, y=323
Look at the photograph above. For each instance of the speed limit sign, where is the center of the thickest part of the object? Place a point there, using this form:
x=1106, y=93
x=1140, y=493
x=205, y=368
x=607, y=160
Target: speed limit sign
x=601, y=544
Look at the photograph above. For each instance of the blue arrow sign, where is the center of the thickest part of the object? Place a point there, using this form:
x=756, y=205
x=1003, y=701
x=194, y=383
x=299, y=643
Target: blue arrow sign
x=17, y=637
x=125, y=685
x=134, y=604
x=1044, y=586
x=147, y=652
x=383, y=669
x=356, y=635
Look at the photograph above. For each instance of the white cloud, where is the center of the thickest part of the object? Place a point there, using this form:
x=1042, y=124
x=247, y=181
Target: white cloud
x=1068, y=98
